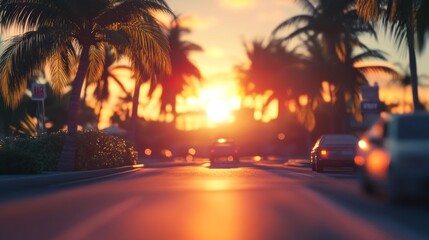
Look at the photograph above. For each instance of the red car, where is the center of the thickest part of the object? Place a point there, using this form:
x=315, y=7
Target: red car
x=223, y=148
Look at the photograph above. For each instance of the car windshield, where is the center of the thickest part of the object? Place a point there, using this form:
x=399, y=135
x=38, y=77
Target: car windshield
x=339, y=139
x=415, y=127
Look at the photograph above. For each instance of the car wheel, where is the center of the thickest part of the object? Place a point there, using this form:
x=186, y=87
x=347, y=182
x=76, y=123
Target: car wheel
x=319, y=167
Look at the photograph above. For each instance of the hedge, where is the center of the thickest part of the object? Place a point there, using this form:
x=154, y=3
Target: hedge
x=95, y=150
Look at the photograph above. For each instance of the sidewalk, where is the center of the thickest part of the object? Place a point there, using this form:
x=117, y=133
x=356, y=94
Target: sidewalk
x=20, y=182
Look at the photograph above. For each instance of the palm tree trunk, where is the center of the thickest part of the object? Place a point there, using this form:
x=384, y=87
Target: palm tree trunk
x=341, y=110
x=332, y=120
x=134, y=111
x=67, y=159
x=83, y=106
x=413, y=70
x=99, y=114
x=412, y=57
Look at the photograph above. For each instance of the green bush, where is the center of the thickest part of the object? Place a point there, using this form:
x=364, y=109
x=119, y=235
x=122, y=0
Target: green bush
x=45, y=149
x=13, y=162
x=95, y=150
x=101, y=150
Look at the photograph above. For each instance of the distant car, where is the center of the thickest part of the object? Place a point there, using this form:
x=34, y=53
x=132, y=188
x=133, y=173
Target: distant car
x=333, y=150
x=223, y=148
x=393, y=156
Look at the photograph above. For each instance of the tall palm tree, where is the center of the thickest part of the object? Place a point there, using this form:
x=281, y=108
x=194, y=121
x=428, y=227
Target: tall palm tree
x=335, y=23
x=64, y=32
x=273, y=68
x=336, y=27
x=400, y=16
x=182, y=66
x=102, y=91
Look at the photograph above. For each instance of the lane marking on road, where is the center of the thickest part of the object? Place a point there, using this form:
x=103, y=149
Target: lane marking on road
x=85, y=227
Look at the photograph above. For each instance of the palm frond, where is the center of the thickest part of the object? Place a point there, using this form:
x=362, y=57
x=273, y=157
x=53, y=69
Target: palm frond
x=31, y=14
x=369, y=54
x=128, y=10
x=62, y=64
x=368, y=9
x=148, y=41
x=24, y=56
x=293, y=21
x=97, y=60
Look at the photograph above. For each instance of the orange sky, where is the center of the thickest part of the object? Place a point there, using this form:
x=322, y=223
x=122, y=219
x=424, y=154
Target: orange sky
x=221, y=27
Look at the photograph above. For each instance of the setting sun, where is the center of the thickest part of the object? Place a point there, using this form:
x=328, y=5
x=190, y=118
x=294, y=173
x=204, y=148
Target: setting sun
x=218, y=111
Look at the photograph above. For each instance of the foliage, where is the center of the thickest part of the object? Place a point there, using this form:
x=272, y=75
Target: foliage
x=182, y=66
x=15, y=162
x=71, y=36
x=407, y=22
x=330, y=34
x=100, y=150
x=95, y=150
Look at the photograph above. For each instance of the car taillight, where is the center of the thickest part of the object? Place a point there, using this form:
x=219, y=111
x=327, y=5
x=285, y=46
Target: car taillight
x=323, y=153
x=359, y=161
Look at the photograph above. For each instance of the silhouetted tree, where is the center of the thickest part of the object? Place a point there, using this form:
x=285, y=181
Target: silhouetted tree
x=400, y=17
x=272, y=68
x=181, y=65
x=64, y=32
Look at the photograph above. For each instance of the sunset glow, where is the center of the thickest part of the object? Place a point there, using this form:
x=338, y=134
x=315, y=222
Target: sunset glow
x=218, y=111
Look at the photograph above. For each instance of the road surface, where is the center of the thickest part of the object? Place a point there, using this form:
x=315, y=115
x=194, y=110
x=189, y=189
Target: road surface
x=248, y=200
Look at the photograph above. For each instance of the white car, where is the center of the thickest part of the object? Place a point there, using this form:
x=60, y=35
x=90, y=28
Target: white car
x=393, y=156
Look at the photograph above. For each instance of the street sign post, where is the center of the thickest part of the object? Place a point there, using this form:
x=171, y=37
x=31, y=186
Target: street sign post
x=38, y=93
x=370, y=99
x=370, y=104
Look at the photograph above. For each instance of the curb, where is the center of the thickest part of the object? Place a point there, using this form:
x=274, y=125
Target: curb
x=20, y=182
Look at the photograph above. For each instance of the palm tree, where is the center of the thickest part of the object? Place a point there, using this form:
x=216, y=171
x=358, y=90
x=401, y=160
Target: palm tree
x=102, y=91
x=272, y=68
x=330, y=33
x=181, y=65
x=400, y=16
x=335, y=23
x=64, y=32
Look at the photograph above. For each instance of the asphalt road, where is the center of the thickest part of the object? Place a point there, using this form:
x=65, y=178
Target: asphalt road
x=249, y=200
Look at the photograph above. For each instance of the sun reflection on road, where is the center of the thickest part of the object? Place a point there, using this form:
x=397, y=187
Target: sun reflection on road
x=216, y=185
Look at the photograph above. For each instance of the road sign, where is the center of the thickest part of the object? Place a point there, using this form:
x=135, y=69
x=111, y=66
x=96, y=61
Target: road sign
x=370, y=106
x=38, y=92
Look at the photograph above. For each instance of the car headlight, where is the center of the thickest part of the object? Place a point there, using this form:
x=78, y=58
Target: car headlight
x=363, y=145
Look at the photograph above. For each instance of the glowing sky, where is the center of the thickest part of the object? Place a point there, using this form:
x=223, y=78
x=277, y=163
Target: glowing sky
x=221, y=27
